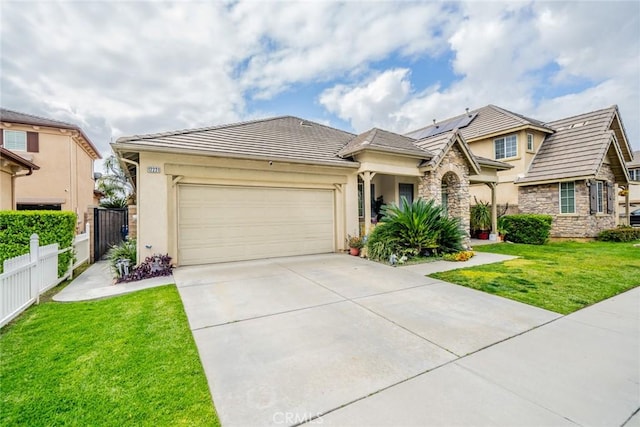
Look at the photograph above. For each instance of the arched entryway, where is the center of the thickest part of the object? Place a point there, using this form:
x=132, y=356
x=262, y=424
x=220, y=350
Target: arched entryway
x=450, y=195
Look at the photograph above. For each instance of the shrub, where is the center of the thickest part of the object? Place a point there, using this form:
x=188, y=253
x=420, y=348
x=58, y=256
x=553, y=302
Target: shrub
x=125, y=250
x=459, y=256
x=413, y=229
x=620, y=234
x=16, y=228
x=531, y=229
x=154, y=266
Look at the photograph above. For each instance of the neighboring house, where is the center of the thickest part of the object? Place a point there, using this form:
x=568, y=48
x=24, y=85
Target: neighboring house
x=570, y=169
x=285, y=186
x=12, y=167
x=65, y=155
x=633, y=189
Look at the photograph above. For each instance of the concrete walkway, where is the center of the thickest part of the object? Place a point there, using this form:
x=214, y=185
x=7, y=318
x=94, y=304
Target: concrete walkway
x=97, y=282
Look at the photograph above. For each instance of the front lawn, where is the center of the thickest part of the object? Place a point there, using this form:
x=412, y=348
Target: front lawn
x=561, y=277
x=128, y=360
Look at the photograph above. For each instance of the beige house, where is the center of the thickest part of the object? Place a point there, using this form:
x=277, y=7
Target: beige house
x=12, y=167
x=632, y=196
x=285, y=186
x=65, y=156
x=571, y=169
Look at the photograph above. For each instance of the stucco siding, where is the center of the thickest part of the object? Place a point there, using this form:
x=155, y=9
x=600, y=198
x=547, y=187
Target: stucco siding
x=158, y=200
x=5, y=190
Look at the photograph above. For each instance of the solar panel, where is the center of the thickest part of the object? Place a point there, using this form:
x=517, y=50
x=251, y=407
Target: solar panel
x=444, y=126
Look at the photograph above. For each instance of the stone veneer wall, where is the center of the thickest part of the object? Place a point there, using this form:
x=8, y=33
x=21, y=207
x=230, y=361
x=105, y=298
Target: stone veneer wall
x=545, y=199
x=430, y=186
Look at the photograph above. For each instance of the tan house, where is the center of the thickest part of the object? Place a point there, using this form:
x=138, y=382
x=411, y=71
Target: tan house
x=65, y=156
x=631, y=197
x=571, y=169
x=284, y=186
x=12, y=167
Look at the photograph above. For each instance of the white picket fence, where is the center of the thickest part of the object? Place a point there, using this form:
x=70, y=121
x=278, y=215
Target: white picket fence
x=27, y=276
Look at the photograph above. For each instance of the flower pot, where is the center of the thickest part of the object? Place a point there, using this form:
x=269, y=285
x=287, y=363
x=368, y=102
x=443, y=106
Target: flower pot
x=483, y=235
x=354, y=251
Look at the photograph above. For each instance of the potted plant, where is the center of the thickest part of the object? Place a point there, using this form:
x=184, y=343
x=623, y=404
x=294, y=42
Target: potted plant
x=355, y=244
x=481, y=219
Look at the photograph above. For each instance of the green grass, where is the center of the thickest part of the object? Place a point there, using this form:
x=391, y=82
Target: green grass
x=561, y=277
x=129, y=360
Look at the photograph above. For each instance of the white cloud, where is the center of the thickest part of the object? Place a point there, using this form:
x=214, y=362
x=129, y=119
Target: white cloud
x=547, y=60
x=375, y=101
x=138, y=67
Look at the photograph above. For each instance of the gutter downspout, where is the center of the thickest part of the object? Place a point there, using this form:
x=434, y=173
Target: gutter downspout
x=137, y=165
x=13, y=187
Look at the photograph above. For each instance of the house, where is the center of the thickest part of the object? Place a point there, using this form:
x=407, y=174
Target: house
x=285, y=186
x=570, y=169
x=12, y=167
x=630, y=200
x=65, y=155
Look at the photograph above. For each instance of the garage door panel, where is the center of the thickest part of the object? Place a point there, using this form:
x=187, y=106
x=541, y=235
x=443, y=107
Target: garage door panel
x=217, y=224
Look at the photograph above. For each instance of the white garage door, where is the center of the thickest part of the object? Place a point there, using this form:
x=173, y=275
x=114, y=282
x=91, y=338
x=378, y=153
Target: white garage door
x=219, y=224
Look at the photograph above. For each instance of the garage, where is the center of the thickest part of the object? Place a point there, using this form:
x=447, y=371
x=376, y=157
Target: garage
x=233, y=223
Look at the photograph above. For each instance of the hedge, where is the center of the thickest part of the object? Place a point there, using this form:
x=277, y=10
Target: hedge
x=16, y=228
x=531, y=229
x=620, y=234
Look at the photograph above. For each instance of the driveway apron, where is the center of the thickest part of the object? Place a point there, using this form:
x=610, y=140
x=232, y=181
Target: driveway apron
x=313, y=338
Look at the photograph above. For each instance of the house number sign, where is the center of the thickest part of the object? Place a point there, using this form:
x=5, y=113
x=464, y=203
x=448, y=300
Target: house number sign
x=153, y=169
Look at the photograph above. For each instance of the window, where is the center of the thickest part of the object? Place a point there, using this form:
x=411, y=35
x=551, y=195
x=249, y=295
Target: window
x=361, y=198
x=444, y=190
x=634, y=174
x=567, y=197
x=27, y=207
x=15, y=140
x=529, y=142
x=599, y=197
x=406, y=191
x=506, y=147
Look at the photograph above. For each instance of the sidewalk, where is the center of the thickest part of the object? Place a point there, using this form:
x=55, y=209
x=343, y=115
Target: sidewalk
x=97, y=282
x=581, y=369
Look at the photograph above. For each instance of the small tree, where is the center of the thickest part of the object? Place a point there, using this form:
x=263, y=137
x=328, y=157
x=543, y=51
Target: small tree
x=114, y=185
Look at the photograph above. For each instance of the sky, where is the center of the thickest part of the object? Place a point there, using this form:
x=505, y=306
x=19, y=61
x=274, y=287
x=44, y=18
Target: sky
x=121, y=68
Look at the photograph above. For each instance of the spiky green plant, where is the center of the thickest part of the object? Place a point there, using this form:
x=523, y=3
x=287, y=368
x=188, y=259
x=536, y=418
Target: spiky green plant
x=413, y=228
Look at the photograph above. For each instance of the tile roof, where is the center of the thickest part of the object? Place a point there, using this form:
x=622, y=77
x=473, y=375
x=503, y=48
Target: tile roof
x=576, y=149
x=285, y=138
x=11, y=116
x=8, y=154
x=382, y=140
x=487, y=120
x=441, y=144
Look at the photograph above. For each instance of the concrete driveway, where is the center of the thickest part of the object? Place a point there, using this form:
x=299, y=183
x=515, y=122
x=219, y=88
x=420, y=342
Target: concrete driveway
x=338, y=340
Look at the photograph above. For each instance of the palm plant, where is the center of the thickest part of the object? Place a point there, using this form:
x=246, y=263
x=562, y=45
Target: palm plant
x=114, y=185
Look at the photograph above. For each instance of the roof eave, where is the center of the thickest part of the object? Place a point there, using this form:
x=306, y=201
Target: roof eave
x=553, y=180
x=509, y=130
x=121, y=147
x=402, y=153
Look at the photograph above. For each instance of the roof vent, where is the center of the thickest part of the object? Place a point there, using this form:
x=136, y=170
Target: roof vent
x=306, y=124
x=467, y=110
x=577, y=125
x=434, y=123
